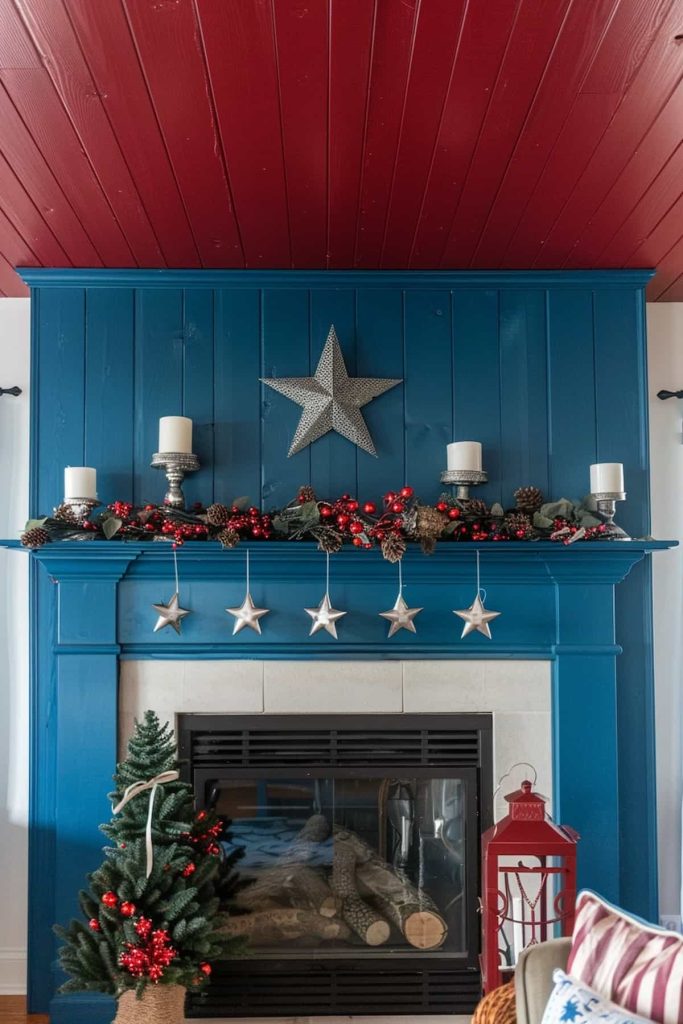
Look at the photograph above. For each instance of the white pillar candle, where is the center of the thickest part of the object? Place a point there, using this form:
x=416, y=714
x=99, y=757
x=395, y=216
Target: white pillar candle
x=607, y=476
x=80, y=482
x=175, y=434
x=517, y=926
x=464, y=455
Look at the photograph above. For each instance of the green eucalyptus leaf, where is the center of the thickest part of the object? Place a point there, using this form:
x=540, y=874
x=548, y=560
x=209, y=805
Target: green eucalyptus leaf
x=541, y=522
x=111, y=526
x=33, y=524
x=241, y=503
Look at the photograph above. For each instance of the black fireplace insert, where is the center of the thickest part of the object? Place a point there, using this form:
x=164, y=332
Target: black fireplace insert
x=361, y=846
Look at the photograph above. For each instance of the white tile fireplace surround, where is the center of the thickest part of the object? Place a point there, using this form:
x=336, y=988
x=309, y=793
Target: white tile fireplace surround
x=516, y=693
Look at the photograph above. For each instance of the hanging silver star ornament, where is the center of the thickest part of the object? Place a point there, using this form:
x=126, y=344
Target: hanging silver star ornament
x=401, y=617
x=247, y=615
x=170, y=614
x=476, y=617
x=324, y=617
x=331, y=400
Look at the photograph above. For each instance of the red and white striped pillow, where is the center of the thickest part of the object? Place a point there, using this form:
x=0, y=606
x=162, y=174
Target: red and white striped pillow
x=636, y=965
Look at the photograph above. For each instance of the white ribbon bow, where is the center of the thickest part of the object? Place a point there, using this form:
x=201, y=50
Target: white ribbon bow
x=140, y=787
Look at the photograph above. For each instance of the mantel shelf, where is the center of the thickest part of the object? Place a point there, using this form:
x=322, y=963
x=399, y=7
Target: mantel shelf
x=512, y=561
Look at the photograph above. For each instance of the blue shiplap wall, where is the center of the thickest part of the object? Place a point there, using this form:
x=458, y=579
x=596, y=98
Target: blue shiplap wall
x=547, y=370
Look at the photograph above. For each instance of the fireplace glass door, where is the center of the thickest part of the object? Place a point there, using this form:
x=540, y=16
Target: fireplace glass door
x=342, y=864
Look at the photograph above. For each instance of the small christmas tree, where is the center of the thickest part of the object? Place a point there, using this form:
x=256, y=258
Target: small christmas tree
x=153, y=909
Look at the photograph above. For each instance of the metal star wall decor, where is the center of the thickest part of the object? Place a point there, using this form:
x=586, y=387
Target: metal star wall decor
x=331, y=400
x=170, y=614
x=401, y=617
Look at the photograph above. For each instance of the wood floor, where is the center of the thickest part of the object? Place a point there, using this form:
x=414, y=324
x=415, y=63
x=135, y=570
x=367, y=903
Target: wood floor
x=13, y=1011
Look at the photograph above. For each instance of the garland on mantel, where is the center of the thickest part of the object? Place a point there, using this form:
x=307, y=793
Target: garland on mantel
x=402, y=519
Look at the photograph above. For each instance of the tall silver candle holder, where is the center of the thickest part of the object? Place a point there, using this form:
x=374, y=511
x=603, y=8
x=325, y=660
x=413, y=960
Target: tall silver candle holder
x=462, y=479
x=606, y=502
x=176, y=465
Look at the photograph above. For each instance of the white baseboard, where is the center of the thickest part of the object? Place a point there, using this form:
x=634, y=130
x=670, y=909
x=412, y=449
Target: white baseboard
x=12, y=971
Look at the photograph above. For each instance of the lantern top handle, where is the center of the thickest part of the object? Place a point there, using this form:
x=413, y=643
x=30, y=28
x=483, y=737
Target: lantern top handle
x=508, y=773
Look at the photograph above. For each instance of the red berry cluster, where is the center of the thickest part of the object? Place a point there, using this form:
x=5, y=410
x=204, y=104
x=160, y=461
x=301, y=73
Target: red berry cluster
x=205, y=838
x=150, y=957
x=349, y=520
x=250, y=523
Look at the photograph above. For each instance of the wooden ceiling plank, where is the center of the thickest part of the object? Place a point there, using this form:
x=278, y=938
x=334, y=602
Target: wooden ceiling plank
x=245, y=91
x=588, y=119
x=22, y=154
x=169, y=48
x=51, y=29
x=662, y=237
x=107, y=45
x=674, y=291
x=647, y=93
x=28, y=220
x=351, y=46
x=485, y=37
x=567, y=69
x=438, y=34
x=302, y=45
x=392, y=50
x=667, y=280
x=17, y=250
x=531, y=44
x=649, y=184
x=17, y=49
x=11, y=284
x=34, y=97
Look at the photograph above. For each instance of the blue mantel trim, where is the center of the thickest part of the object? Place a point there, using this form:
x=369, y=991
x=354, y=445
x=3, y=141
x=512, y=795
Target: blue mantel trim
x=41, y=277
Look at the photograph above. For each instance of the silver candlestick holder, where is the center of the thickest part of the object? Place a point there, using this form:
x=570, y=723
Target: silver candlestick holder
x=462, y=480
x=80, y=508
x=176, y=465
x=606, y=502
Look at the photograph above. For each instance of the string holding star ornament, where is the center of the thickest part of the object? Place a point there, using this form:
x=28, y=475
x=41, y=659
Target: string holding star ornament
x=247, y=614
x=325, y=616
x=171, y=614
x=400, y=616
x=477, y=617
x=331, y=400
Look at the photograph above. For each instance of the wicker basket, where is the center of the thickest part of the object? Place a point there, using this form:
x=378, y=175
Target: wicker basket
x=161, y=1004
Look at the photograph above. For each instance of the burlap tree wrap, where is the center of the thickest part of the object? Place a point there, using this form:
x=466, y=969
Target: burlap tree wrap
x=161, y=1004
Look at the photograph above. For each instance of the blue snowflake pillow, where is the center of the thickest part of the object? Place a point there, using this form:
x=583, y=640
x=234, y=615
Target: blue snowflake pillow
x=572, y=1002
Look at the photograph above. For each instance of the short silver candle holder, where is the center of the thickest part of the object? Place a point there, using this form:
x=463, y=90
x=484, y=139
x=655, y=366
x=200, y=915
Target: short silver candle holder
x=462, y=480
x=79, y=508
x=176, y=465
x=606, y=502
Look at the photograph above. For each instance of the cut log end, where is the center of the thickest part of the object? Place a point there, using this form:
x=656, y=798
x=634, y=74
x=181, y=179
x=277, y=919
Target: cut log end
x=377, y=934
x=425, y=930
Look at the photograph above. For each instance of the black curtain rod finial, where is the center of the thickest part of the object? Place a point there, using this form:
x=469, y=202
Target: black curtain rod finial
x=10, y=391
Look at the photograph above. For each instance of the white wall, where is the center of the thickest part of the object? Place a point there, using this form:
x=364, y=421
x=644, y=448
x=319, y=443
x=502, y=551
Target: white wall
x=14, y=428
x=665, y=326
x=665, y=349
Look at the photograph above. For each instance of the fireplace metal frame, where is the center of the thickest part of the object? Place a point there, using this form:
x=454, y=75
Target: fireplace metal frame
x=372, y=983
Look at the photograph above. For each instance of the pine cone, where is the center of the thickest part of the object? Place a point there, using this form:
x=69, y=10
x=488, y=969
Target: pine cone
x=228, y=538
x=35, y=538
x=65, y=514
x=528, y=499
x=518, y=522
x=306, y=493
x=393, y=547
x=429, y=526
x=476, y=507
x=329, y=541
x=218, y=515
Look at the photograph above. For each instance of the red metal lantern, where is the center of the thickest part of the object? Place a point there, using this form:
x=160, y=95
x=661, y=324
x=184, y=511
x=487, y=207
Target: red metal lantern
x=529, y=883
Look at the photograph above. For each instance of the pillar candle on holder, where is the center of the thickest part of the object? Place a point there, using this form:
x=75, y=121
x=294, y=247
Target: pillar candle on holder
x=607, y=477
x=464, y=455
x=175, y=434
x=80, y=482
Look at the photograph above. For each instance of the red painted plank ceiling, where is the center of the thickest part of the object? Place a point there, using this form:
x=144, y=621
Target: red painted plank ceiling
x=342, y=133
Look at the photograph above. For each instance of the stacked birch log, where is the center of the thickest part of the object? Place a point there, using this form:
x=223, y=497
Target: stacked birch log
x=297, y=899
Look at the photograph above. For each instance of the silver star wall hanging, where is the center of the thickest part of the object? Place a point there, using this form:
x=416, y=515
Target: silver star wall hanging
x=247, y=614
x=325, y=616
x=477, y=617
x=331, y=400
x=400, y=616
x=170, y=614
